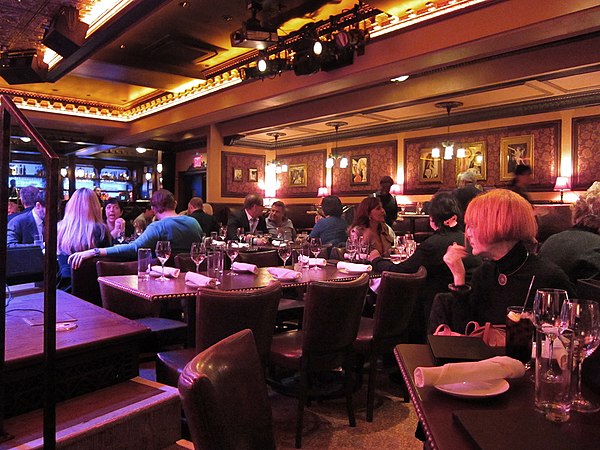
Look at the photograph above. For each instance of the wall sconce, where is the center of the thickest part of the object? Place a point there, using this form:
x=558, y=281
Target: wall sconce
x=80, y=173
x=562, y=184
x=63, y=172
x=323, y=192
x=148, y=176
x=396, y=189
x=159, y=167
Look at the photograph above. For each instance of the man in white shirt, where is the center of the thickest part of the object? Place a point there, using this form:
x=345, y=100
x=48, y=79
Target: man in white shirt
x=249, y=218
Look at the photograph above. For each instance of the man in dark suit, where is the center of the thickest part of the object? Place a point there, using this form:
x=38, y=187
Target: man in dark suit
x=28, y=197
x=28, y=227
x=249, y=218
x=206, y=221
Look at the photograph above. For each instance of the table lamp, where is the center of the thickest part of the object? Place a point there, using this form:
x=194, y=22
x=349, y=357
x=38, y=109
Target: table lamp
x=562, y=184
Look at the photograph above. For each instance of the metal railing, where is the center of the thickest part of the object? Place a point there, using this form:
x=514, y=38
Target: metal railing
x=9, y=112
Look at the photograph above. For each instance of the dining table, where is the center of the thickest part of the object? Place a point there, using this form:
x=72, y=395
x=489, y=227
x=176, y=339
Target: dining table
x=175, y=289
x=412, y=218
x=490, y=421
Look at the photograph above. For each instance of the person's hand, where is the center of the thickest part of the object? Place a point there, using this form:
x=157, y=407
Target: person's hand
x=454, y=260
x=374, y=254
x=76, y=259
x=318, y=217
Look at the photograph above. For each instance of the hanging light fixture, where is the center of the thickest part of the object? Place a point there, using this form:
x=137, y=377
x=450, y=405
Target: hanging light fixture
x=279, y=166
x=333, y=156
x=448, y=145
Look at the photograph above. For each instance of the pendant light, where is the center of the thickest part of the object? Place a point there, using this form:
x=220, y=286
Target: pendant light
x=279, y=167
x=448, y=145
x=333, y=156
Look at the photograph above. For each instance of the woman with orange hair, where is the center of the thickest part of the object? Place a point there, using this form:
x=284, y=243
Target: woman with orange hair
x=501, y=228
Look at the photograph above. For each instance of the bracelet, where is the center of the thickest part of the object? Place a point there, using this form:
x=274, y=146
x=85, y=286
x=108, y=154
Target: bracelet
x=96, y=252
x=463, y=288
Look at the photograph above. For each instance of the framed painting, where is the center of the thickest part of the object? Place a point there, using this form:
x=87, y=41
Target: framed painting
x=297, y=176
x=515, y=150
x=360, y=170
x=253, y=175
x=430, y=168
x=475, y=160
x=238, y=175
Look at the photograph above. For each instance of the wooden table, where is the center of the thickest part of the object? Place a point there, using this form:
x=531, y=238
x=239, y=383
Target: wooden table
x=153, y=290
x=101, y=351
x=506, y=421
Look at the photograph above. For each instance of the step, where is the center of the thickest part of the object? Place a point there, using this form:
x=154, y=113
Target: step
x=134, y=414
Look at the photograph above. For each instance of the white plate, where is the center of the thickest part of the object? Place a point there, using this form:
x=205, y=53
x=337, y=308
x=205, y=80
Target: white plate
x=478, y=389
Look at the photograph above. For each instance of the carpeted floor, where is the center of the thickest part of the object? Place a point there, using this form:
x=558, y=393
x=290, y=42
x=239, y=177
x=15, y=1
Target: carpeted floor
x=326, y=424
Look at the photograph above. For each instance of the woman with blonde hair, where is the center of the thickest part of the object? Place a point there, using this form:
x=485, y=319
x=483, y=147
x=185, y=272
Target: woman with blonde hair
x=80, y=229
x=369, y=222
x=501, y=228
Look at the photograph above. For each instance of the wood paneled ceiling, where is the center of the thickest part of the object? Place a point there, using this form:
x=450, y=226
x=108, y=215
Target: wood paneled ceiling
x=476, y=55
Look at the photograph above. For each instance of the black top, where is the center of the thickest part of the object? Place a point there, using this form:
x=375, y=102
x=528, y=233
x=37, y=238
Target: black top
x=391, y=207
x=207, y=222
x=464, y=195
x=487, y=300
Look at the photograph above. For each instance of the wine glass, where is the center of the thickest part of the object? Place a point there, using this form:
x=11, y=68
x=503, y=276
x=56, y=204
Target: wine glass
x=240, y=234
x=285, y=251
x=351, y=248
x=364, y=247
x=233, y=250
x=222, y=232
x=315, y=249
x=546, y=316
x=583, y=318
x=163, y=253
x=198, y=254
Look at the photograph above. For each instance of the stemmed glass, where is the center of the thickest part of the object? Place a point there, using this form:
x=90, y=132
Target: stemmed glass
x=285, y=251
x=583, y=318
x=198, y=254
x=240, y=234
x=233, y=250
x=222, y=232
x=163, y=253
x=315, y=249
x=364, y=247
x=351, y=248
x=546, y=316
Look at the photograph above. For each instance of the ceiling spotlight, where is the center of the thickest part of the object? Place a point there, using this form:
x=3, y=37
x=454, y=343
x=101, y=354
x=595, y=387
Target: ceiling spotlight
x=25, y=139
x=400, y=79
x=261, y=63
x=318, y=47
x=140, y=150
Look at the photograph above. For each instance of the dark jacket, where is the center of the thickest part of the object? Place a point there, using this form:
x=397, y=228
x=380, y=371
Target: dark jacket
x=428, y=254
x=388, y=201
x=240, y=220
x=487, y=300
x=207, y=222
x=22, y=229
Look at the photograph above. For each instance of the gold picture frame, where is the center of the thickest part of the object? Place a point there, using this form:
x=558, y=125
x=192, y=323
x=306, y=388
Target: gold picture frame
x=360, y=170
x=515, y=150
x=297, y=176
x=238, y=175
x=253, y=175
x=475, y=159
x=430, y=168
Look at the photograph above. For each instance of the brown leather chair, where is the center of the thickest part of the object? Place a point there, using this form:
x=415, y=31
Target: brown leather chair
x=224, y=397
x=262, y=258
x=84, y=282
x=396, y=299
x=165, y=331
x=184, y=262
x=331, y=319
x=220, y=314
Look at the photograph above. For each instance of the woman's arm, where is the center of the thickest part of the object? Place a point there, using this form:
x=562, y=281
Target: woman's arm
x=454, y=260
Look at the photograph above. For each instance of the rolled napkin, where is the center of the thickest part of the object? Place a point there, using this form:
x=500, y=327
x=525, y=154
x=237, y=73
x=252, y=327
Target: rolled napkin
x=489, y=369
x=276, y=242
x=322, y=262
x=374, y=284
x=244, y=267
x=353, y=267
x=200, y=280
x=284, y=274
x=170, y=272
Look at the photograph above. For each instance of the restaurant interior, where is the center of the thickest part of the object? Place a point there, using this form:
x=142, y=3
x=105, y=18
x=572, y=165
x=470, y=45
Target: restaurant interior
x=219, y=100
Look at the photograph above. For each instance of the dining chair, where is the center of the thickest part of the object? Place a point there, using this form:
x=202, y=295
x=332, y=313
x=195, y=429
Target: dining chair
x=84, y=282
x=165, y=331
x=224, y=397
x=331, y=319
x=220, y=314
x=261, y=258
x=396, y=299
x=183, y=262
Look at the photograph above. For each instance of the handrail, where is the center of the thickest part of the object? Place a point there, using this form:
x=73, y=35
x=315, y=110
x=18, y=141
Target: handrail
x=8, y=110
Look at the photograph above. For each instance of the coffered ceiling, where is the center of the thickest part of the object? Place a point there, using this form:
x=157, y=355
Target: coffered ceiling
x=497, y=57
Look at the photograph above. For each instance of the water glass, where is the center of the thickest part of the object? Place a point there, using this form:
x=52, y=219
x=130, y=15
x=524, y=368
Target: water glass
x=214, y=262
x=144, y=262
x=553, y=364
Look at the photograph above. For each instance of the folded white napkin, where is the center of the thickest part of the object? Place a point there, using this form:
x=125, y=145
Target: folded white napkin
x=559, y=353
x=200, y=280
x=284, y=274
x=276, y=242
x=361, y=256
x=374, y=284
x=322, y=262
x=170, y=272
x=489, y=369
x=354, y=268
x=244, y=267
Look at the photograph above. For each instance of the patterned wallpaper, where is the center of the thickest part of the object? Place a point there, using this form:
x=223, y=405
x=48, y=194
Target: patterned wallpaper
x=381, y=159
x=586, y=151
x=241, y=174
x=314, y=176
x=546, y=139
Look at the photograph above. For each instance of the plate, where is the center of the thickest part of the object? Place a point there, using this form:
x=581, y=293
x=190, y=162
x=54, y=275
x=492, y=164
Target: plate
x=477, y=389
x=194, y=285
